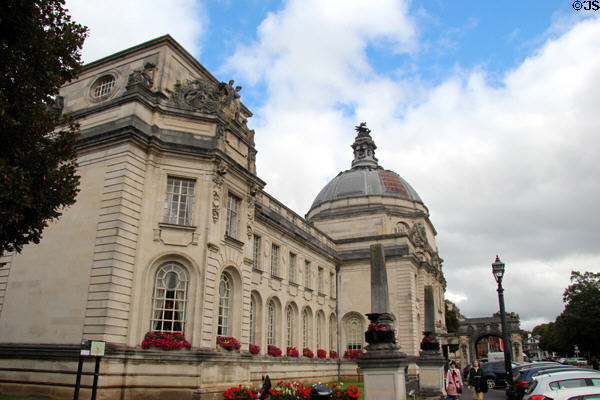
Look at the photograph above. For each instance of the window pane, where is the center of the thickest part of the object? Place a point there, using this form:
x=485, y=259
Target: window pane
x=232, y=215
x=169, y=299
x=178, y=202
x=223, y=326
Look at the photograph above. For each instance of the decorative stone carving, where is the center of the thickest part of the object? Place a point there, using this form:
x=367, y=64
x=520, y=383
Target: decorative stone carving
x=418, y=235
x=207, y=97
x=144, y=77
x=251, y=202
x=220, y=171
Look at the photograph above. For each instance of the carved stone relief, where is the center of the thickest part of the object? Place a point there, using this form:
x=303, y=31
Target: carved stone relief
x=207, y=97
x=144, y=77
x=418, y=235
x=220, y=170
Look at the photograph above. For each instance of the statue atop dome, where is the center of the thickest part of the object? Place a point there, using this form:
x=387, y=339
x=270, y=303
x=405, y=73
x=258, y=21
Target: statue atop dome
x=364, y=148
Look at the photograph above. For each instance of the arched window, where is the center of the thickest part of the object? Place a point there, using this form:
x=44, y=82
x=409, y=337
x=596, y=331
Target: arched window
x=224, y=321
x=271, y=323
x=354, y=334
x=169, y=298
x=306, y=334
x=289, y=318
x=252, y=319
x=320, y=330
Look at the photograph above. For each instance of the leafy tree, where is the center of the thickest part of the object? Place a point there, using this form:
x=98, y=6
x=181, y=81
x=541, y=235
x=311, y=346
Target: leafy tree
x=579, y=322
x=452, y=315
x=39, y=52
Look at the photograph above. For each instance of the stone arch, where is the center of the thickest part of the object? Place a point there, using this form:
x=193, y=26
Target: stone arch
x=291, y=320
x=231, y=273
x=306, y=327
x=353, y=328
x=273, y=321
x=256, y=318
x=145, y=303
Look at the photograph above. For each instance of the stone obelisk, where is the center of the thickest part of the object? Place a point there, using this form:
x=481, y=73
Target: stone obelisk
x=383, y=363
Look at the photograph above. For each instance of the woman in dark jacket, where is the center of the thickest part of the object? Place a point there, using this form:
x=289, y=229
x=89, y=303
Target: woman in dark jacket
x=476, y=381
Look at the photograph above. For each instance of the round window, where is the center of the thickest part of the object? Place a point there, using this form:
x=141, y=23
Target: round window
x=103, y=86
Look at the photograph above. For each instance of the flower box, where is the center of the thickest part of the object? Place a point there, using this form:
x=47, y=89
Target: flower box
x=306, y=352
x=292, y=352
x=333, y=354
x=254, y=349
x=273, y=350
x=352, y=353
x=380, y=337
x=228, y=343
x=165, y=340
x=321, y=353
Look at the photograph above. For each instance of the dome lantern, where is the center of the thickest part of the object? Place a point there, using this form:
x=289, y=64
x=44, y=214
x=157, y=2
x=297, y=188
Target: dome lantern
x=364, y=148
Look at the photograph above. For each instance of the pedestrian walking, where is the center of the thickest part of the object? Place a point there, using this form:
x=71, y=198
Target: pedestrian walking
x=453, y=382
x=476, y=381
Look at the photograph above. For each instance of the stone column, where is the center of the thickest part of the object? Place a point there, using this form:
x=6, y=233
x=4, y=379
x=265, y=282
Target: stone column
x=431, y=368
x=383, y=363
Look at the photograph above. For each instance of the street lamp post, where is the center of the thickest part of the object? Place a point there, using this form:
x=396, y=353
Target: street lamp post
x=498, y=271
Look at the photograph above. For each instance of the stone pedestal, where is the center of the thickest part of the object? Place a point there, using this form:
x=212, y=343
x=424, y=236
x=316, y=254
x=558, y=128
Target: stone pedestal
x=383, y=373
x=431, y=373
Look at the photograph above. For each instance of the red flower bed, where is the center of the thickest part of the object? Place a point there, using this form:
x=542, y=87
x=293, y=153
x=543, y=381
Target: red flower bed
x=292, y=352
x=290, y=391
x=321, y=353
x=352, y=353
x=306, y=352
x=229, y=343
x=165, y=340
x=273, y=351
x=332, y=354
x=254, y=349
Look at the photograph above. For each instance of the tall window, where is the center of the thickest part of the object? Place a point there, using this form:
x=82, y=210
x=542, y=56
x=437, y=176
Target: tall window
x=307, y=274
x=292, y=271
x=332, y=284
x=320, y=280
x=289, y=319
x=332, y=333
x=252, y=319
x=169, y=299
x=271, y=323
x=354, y=334
x=178, y=203
x=223, y=323
x=233, y=205
x=256, y=252
x=275, y=260
x=306, y=328
x=319, y=331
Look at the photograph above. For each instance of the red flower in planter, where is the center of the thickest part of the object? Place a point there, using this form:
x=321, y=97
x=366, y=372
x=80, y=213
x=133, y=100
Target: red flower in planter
x=292, y=352
x=165, y=340
x=273, y=350
x=254, y=349
x=229, y=343
x=376, y=328
x=352, y=353
x=332, y=354
x=321, y=353
x=306, y=352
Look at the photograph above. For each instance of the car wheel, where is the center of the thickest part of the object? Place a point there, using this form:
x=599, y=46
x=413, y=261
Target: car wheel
x=491, y=383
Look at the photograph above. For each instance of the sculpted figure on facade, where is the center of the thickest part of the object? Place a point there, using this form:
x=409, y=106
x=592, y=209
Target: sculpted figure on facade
x=144, y=77
x=220, y=170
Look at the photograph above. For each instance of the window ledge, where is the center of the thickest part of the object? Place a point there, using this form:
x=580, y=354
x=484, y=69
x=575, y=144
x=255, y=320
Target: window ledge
x=321, y=294
x=177, y=226
x=294, y=284
x=277, y=277
x=257, y=270
x=308, y=289
x=233, y=241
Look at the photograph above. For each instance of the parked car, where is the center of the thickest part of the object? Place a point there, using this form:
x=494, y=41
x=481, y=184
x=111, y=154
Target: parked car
x=545, y=381
x=576, y=361
x=494, y=373
x=576, y=393
x=525, y=375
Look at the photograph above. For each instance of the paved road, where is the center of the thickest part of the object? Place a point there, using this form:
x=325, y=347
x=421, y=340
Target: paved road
x=494, y=394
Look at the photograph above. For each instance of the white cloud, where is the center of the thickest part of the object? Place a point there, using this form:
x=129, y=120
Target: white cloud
x=116, y=25
x=509, y=170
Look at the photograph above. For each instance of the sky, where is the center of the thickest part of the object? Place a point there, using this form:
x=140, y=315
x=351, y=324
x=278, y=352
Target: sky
x=489, y=109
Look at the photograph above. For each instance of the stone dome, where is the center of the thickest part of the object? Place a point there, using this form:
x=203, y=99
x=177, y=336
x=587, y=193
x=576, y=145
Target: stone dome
x=366, y=177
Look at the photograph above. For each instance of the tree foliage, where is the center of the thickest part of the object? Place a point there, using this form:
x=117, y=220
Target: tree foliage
x=39, y=52
x=452, y=314
x=579, y=322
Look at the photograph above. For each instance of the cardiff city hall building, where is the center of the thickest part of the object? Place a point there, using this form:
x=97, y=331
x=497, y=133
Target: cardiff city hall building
x=183, y=272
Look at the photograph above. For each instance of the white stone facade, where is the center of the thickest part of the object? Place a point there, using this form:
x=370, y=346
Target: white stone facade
x=150, y=116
